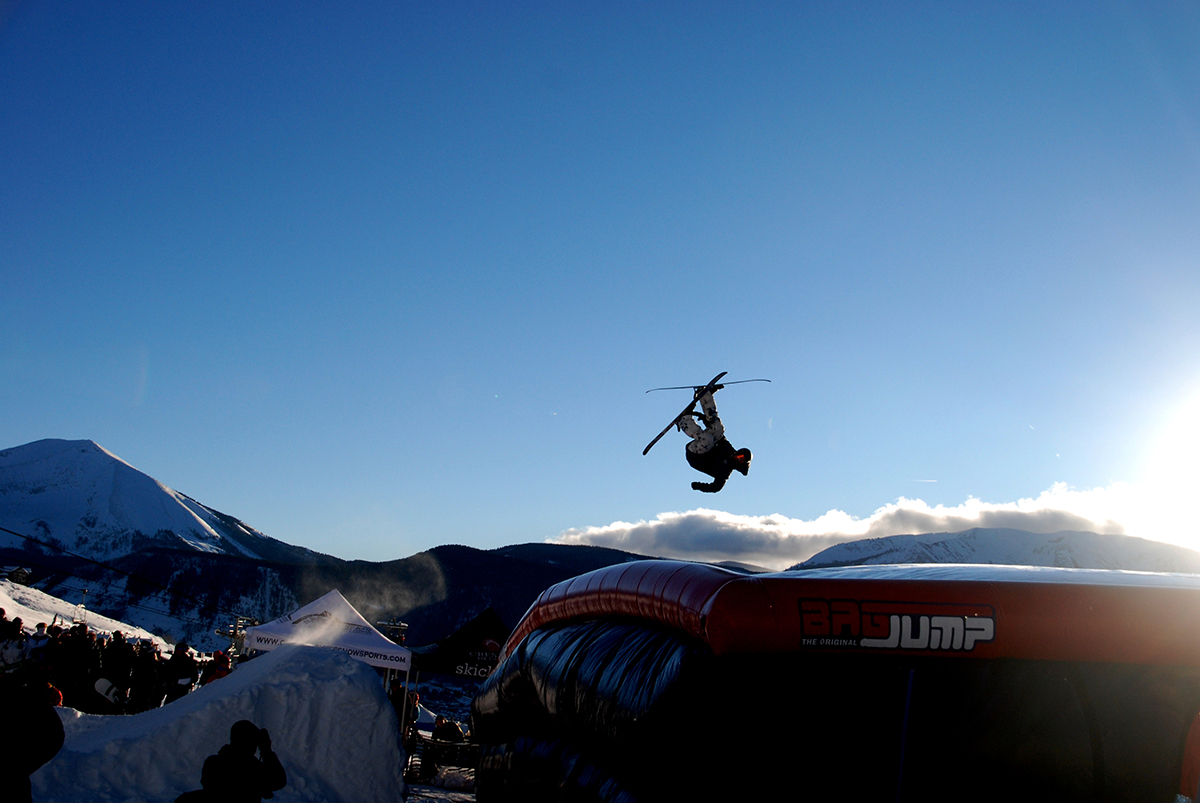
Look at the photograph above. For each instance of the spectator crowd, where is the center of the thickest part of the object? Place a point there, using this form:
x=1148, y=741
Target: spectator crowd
x=102, y=673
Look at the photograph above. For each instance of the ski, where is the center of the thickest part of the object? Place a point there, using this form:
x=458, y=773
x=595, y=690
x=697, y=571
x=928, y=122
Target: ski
x=697, y=387
x=686, y=410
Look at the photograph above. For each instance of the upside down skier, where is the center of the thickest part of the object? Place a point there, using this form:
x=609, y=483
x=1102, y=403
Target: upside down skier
x=709, y=452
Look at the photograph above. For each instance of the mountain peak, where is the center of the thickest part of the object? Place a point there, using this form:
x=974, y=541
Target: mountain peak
x=77, y=495
x=50, y=447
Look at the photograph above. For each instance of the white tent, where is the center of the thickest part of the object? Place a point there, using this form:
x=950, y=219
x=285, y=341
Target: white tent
x=334, y=623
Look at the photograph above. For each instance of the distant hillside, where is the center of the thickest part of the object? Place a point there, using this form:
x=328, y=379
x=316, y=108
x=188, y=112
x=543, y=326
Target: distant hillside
x=133, y=538
x=1068, y=549
x=158, y=559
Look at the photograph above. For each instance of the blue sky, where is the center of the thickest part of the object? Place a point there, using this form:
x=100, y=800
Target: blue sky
x=375, y=277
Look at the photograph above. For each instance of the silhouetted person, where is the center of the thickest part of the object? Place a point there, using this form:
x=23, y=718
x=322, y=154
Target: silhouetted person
x=236, y=775
x=117, y=661
x=447, y=730
x=180, y=672
x=33, y=734
x=37, y=644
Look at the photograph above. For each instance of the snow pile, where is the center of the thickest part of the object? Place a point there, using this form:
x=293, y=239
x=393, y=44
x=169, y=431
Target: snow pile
x=433, y=794
x=455, y=778
x=330, y=723
x=32, y=606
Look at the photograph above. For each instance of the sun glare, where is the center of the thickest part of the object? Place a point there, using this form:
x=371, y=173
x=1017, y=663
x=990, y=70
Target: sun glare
x=1171, y=479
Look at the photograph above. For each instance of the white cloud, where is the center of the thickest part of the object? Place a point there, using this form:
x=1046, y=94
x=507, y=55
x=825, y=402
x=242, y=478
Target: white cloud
x=777, y=541
x=1159, y=505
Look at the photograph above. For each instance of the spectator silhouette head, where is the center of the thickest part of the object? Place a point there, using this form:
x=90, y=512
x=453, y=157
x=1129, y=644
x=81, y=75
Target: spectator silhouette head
x=243, y=736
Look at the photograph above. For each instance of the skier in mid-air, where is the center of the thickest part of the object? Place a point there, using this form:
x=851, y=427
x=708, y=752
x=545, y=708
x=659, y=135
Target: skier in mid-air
x=708, y=451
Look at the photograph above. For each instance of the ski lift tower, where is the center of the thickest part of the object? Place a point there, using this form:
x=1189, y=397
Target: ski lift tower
x=79, y=616
x=394, y=629
x=236, y=633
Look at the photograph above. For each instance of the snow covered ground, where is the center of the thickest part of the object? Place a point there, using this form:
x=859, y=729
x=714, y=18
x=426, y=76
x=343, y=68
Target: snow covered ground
x=33, y=606
x=330, y=723
x=448, y=695
x=433, y=794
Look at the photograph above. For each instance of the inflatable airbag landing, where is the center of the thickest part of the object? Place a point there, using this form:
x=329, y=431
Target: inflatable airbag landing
x=886, y=683
x=578, y=705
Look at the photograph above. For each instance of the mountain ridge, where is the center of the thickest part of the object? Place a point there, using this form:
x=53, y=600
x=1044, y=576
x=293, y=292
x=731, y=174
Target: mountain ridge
x=1064, y=549
x=77, y=495
x=94, y=527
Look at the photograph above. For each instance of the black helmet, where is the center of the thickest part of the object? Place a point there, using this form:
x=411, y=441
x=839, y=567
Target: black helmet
x=741, y=461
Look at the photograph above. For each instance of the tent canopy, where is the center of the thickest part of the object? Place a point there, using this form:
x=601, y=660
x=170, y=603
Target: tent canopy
x=331, y=622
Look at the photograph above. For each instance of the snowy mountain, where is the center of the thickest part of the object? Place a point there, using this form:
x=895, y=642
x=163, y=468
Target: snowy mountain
x=87, y=522
x=1068, y=549
x=78, y=496
x=90, y=524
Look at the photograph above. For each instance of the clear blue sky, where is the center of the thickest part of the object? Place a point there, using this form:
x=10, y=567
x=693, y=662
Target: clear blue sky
x=375, y=277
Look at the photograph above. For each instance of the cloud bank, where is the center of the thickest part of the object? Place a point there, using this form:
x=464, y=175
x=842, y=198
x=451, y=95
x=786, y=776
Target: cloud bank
x=776, y=541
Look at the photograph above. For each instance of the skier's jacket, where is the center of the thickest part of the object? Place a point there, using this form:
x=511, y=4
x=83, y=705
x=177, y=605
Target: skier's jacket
x=717, y=463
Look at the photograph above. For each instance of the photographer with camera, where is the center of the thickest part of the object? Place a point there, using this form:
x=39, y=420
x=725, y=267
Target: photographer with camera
x=235, y=774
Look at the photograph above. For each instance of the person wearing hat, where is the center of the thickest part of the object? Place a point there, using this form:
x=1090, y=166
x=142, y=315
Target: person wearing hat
x=38, y=642
x=217, y=668
x=180, y=672
x=709, y=452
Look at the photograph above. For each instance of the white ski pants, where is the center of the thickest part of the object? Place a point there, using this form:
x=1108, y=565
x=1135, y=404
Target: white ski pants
x=704, y=439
